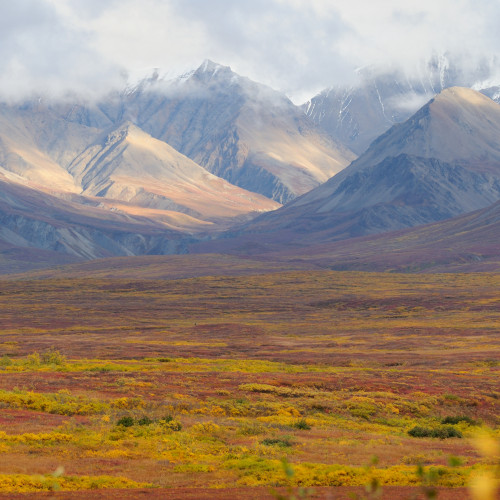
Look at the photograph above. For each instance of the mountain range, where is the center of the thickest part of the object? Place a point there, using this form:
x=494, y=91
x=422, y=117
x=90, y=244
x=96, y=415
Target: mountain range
x=203, y=162
x=141, y=160
x=237, y=129
x=442, y=162
x=357, y=114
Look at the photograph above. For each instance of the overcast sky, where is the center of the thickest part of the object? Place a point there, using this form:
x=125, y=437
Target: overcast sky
x=297, y=46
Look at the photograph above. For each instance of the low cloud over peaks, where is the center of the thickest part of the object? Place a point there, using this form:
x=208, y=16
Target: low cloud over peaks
x=296, y=46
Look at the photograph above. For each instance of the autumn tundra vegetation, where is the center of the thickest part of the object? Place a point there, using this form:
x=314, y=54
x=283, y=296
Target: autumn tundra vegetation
x=299, y=384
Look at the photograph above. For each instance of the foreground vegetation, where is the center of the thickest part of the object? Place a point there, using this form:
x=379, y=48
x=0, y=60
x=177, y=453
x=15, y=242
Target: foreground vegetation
x=211, y=382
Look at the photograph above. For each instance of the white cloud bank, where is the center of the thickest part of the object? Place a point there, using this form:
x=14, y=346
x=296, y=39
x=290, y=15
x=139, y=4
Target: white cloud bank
x=298, y=46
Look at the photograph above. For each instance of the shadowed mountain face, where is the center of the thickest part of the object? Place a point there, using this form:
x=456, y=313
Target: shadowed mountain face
x=358, y=114
x=244, y=132
x=33, y=219
x=465, y=243
x=442, y=162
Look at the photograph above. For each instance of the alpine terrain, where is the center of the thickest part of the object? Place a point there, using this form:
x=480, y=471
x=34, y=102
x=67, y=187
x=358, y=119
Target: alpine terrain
x=442, y=162
x=377, y=99
x=240, y=130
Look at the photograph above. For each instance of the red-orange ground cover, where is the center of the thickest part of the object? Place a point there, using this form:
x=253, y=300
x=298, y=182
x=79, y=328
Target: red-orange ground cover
x=243, y=365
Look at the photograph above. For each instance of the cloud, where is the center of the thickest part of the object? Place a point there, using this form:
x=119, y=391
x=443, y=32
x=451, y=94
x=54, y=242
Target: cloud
x=404, y=33
x=408, y=103
x=40, y=54
x=297, y=46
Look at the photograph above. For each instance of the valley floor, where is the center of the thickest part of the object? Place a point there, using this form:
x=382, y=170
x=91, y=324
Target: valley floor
x=230, y=386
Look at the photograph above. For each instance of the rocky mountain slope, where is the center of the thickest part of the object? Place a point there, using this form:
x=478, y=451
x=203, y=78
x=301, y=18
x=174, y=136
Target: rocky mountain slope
x=103, y=166
x=128, y=164
x=442, y=162
x=242, y=131
x=31, y=219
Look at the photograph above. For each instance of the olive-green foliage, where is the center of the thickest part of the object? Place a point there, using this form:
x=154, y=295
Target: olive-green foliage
x=302, y=425
x=458, y=419
x=442, y=432
x=282, y=442
x=126, y=421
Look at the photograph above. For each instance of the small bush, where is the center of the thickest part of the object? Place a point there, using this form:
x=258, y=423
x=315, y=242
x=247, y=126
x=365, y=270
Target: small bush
x=282, y=442
x=52, y=357
x=167, y=418
x=171, y=425
x=125, y=422
x=443, y=432
x=420, y=432
x=251, y=429
x=206, y=428
x=458, y=419
x=145, y=421
x=446, y=432
x=33, y=359
x=302, y=425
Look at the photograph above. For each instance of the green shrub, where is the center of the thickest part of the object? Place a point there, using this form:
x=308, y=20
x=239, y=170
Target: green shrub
x=446, y=432
x=145, y=421
x=302, y=425
x=442, y=432
x=419, y=432
x=282, y=442
x=458, y=419
x=125, y=422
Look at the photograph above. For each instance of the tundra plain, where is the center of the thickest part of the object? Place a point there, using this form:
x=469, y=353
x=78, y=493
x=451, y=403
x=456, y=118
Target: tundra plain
x=147, y=386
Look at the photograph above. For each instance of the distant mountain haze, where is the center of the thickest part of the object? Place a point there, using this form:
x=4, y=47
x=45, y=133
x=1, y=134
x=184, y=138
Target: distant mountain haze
x=357, y=114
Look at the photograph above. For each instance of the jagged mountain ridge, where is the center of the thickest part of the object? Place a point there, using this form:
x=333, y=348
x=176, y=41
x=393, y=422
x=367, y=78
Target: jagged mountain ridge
x=100, y=170
x=357, y=114
x=440, y=163
x=242, y=131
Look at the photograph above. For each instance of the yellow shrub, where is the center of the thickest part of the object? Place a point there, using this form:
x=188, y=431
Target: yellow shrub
x=23, y=483
x=31, y=437
x=205, y=428
x=128, y=403
x=392, y=409
x=290, y=411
